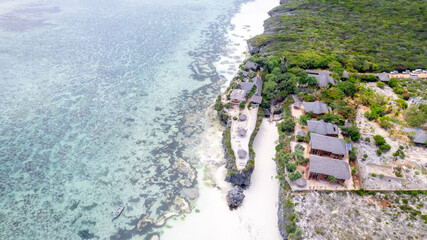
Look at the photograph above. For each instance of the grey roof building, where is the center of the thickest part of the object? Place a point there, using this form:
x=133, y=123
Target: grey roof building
x=315, y=107
x=384, y=77
x=328, y=166
x=238, y=95
x=241, y=132
x=418, y=136
x=242, y=153
x=321, y=144
x=242, y=117
x=250, y=65
x=301, y=133
x=323, y=77
x=258, y=83
x=256, y=99
x=414, y=100
x=322, y=127
x=345, y=74
x=244, y=73
x=246, y=86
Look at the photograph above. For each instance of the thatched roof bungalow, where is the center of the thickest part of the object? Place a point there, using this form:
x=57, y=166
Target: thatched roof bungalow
x=327, y=146
x=323, y=128
x=321, y=167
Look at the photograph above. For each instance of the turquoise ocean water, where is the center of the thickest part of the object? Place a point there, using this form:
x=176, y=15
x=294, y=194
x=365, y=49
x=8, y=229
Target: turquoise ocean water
x=98, y=100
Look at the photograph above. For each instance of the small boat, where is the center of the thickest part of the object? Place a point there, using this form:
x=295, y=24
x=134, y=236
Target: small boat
x=118, y=212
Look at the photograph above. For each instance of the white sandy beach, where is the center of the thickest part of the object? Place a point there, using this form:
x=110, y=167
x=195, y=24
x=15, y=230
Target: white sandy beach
x=257, y=217
x=261, y=202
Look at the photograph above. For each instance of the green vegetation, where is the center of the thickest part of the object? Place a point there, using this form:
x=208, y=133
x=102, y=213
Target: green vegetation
x=303, y=119
x=379, y=140
x=416, y=116
x=227, y=141
x=332, y=118
x=393, y=82
x=378, y=35
x=416, y=87
x=309, y=98
x=294, y=176
x=385, y=122
x=380, y=84
x=399, y=153
x=332, y=179
x=354, y=170
x=352, y=131
x=287, y=125
x=242, y=105
x=401, y=103
x=218, y=103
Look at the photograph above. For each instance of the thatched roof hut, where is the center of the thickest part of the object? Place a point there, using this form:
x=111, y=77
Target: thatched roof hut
x=242, y=117
x=241, y=132
x=301, y=133
x=242, y=153
x=301, y=182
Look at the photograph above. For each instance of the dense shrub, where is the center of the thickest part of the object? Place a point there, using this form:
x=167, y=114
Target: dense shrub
x=287, y=125
x=385, y=147
x=401, y=103
x=380, y=84
x=416, y=116
x=332, y=179
x=332, y=118
x=385, y=122
x=309, y=98
x=303, y=119
x=291, y=167
x=393, y=82
x=242, y=105
x=348, y=88
x=352, y=131
x=379, y=140
x=218, y=104
x=294, y=176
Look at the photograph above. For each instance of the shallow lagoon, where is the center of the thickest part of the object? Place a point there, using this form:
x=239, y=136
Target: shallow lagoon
x=98, y=101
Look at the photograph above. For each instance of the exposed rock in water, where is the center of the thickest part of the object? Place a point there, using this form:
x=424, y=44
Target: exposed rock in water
x=85, y=234
x=186, y=172
x=235, y=197
x=191, y=193
x=155, y=237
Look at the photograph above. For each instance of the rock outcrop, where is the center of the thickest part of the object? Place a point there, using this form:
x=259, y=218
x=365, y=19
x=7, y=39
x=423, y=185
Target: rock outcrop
x=235, y=197
x=241, y=179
